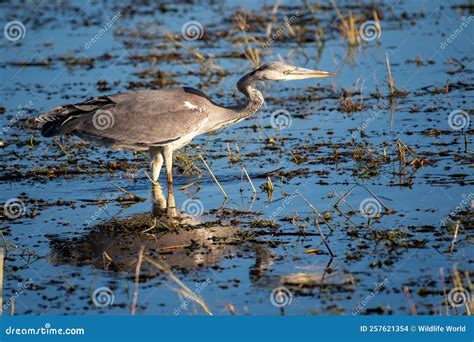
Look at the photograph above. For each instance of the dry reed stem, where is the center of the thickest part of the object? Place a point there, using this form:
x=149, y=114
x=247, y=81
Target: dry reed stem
x=132, y=196
x=151, y=180
x=443, y=288
x=367, y=189
x=184, y=187
x=389, y=73
x=244, y=170
x=183, y=288
x=402, y=147
x=213, y=177
x=252, y=53
x=231, y=309
x=318, y=226
x=406, y=291
x=455, y=236
x=270, y=188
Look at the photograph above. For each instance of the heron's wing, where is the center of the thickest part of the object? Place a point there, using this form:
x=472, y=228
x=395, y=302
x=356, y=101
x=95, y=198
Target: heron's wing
x=150, y=118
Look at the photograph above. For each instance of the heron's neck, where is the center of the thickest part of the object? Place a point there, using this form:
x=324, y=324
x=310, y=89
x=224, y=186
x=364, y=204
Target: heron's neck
x=254, y=97
x=230, y=115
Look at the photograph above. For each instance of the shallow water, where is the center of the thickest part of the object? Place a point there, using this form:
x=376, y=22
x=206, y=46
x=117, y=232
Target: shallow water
x=67, y=245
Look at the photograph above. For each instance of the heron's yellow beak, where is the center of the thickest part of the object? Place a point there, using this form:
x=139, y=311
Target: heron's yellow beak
x=302, y=73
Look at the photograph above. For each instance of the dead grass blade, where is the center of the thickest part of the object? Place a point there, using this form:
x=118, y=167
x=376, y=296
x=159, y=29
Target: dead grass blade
x=182, y=287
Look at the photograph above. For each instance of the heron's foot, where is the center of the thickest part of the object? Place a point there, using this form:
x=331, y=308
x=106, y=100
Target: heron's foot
x=159, y=199
x=171, y=203
x=171, y=212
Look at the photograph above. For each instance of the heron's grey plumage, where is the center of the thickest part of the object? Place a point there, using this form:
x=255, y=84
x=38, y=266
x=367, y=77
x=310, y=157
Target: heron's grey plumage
x=161, y=121
x=135, y=120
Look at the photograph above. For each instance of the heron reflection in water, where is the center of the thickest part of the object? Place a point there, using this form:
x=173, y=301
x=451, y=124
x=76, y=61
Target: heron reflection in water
x=115, y=245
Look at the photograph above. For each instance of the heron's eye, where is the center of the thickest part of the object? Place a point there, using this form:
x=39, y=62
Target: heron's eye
x=286, y=72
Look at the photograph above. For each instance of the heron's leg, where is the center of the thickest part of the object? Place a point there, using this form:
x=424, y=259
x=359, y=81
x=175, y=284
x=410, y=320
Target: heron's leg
x=157, y=163
x=171, y=205
x=159, y=200
x=168, y=156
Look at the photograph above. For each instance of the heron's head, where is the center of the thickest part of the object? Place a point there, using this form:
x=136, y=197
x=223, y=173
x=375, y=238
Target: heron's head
x=281, y=71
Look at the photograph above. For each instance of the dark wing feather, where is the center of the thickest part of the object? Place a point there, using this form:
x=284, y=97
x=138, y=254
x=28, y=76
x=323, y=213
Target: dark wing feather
x=54, y=120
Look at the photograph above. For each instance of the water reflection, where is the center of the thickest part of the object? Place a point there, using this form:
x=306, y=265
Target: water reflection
x=176, y=240
x=117, y=250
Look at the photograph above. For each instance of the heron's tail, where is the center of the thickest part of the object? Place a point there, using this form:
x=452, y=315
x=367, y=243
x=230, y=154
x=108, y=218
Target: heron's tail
x=65, y=119
x=52, y=121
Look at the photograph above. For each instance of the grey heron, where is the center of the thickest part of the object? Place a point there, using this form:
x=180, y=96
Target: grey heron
x=161, y=121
